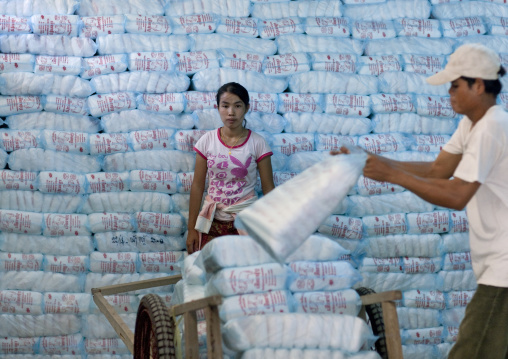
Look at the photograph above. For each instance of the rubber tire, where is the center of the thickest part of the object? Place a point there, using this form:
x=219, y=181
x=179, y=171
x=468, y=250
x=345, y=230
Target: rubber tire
x=375, y=317
x=154, y=331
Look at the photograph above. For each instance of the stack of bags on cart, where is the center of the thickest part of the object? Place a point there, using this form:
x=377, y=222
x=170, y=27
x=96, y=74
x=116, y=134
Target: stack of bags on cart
x=303, y=308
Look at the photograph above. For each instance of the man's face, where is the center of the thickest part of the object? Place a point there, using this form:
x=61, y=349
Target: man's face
x=462, y=96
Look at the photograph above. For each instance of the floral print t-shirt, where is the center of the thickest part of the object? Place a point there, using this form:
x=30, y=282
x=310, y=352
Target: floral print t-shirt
x=231, y=176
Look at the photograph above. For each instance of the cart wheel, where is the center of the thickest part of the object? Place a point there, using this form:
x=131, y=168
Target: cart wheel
x=154, y=331
x=375, y=316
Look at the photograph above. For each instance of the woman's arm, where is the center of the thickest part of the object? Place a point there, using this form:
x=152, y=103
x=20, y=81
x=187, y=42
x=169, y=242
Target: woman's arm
x=196, y=197
x=266, y=174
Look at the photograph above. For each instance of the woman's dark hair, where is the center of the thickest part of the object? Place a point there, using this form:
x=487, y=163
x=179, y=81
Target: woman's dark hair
x=491, y=86
x=236, y=89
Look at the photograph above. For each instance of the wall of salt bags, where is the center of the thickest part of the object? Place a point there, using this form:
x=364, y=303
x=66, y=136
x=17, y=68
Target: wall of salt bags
x=101, y=103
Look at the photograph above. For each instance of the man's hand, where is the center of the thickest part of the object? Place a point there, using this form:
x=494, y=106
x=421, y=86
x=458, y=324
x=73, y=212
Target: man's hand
x=192, y=241
x=379, y=168
x=342, y=151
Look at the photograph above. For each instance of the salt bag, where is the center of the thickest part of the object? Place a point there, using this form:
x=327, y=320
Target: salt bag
x=283, y=219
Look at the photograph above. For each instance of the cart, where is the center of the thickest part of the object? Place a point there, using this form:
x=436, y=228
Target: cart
x=156, y=331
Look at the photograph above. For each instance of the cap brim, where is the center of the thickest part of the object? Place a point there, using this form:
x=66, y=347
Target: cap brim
x=442, y=78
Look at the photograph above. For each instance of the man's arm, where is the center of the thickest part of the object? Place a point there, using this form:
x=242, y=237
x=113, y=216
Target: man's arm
x=429, y=182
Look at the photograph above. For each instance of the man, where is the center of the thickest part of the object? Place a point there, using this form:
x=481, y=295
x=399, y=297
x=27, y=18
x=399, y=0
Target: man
x=477, y=158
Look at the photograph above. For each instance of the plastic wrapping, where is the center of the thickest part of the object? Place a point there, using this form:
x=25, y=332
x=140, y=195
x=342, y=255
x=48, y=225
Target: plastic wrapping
x=59, y=224
x=413, y=318
x=97, y=326
x=39, y=281
x=423, y=336
x=372, y=29
x=333, y=142
x=286, y=64
x=61, y=345
x=140, y=81
x=327, y=26
x=389, y=10
x=68, y=25
x=52, y=121
x=290, y=143
x=367, y=187
x=271, y=123
x=455, y=299
x=457, y=280
x=38, y=325
x=48, y=45
x=131, y=120
x=62, y=182
x=107, y=143
x=20, y=262
x=12, y=221
x=24, y=83
x=342, y=227
x=66, y=264
x=20, y=302
x=57, y=65
x=103, y=65
x=381, y=282
x=161, y=262
x=124, y=303
x=147, y=24
x=430, y=143
x=301, y=9
x=196, y=100
x=95, y=280
x=423, y=64
x=10, y=24
x=203, y=42
x=12, y=105
x=157, y=181
x=12, y=140
x=271, y=29
x=424, y=299
x=417, y=27
x=125, y=43
x=385, y=225
x=497, y=26
x=16, y=62
x=459, y=27
x=306, y=43
x=457, y=261
x=300, y=102
x=18, y=180
x=66, y=141
x=168, y=160
x=104, y=222
x=37, y=159
x=276, y=301
x=113, y=7
x=434, y=106
x=192, y=62
x=387, y=203
x=16, y=346
x=348, y=105
x=326, y=123
x=459, y=222
x=94, y=26
x=388, y=142
x=406, y=82
x=328, y=276
x=239, y=8
x=152, y=61
x=331, y=82
x=409, y=45
x=250, y=279
x=376, y=65
x=106, y=348
x=118, y=263
x=339, y=302
x=412, y=123
x=25, y=243
x=112, y=102
x=296, y=330
x=152, y=139
x=126, y=202
x=192, y=24
x=239, y=26
x=37, y=201
x=213, y=79
x=334, y=62
x=66, y=105
x=428, y=222
x=142, y=242
x=160, y=223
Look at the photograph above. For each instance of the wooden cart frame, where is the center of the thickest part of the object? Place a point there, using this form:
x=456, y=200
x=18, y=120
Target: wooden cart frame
x=210, y=307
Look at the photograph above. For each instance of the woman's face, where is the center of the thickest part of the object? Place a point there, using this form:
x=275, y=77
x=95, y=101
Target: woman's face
x=232, y=110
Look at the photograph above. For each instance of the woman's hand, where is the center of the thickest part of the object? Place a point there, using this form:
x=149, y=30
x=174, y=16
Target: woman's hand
x=192, y=241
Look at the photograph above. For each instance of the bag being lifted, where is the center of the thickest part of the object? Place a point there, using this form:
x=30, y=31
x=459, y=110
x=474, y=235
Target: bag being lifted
x=283, y=219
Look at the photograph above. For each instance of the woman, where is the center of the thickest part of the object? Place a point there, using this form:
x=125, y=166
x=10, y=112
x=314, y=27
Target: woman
x=231, y=155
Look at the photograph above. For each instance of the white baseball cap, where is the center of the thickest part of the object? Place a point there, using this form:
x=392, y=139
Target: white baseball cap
x=470, y=60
